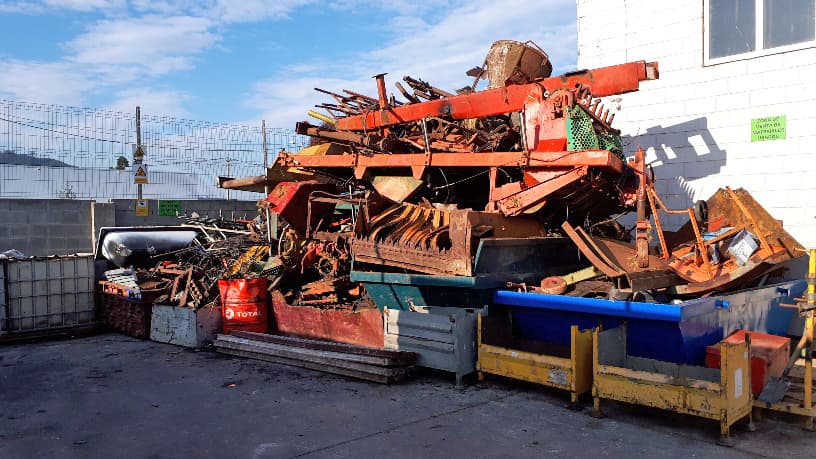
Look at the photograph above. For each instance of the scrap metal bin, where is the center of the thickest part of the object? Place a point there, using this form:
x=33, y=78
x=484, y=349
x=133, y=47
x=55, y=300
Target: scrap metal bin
x=443, y=338
x=563, y=367
x=722, y=394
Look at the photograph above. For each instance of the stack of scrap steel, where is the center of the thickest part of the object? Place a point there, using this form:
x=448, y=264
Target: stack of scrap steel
x=435, y=182
x=442, y=184
x=174, y=266
x=433, y=194
x=516, y=197
x=378, y=365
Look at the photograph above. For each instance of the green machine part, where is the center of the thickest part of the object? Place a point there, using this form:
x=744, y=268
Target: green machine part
x=581, y=134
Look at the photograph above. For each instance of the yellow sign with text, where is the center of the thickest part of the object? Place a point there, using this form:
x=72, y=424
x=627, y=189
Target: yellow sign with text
x=142, y=209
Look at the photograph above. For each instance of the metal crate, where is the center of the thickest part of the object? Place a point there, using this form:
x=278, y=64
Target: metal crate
x=40, y=294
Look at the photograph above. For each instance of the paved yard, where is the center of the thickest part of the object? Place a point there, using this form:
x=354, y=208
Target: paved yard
x=111, y=396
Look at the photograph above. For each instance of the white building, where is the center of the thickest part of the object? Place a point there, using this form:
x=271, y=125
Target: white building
x=723, y=63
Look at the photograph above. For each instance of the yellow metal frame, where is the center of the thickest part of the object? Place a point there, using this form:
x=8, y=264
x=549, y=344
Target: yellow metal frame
x=727, y=401
x=573, y=374
x=806, y=407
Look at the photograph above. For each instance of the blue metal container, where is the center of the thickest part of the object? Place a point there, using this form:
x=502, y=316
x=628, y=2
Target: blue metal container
x=676, y=333
x=760, y=309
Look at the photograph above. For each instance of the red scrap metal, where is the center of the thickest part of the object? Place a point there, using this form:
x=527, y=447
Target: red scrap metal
x=606, y=81
x=361, y=327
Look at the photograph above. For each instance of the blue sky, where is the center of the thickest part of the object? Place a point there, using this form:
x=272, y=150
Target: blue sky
x=243, y=61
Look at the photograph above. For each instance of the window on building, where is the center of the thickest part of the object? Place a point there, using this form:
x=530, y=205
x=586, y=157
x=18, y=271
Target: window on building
x=733, y=27
x=737, y=29
x=788, y=22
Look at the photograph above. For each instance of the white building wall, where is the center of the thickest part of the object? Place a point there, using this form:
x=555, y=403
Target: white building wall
x=695, y=121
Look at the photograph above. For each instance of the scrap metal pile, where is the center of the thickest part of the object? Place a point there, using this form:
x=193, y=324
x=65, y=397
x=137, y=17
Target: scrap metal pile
x=432, y=182
x=181, y=266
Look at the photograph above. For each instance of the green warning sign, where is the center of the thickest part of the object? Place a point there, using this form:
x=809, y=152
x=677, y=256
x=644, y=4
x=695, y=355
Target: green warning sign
x=768, y=128
x=169, y=208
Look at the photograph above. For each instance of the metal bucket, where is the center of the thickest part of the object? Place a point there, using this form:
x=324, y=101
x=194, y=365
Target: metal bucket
x=506, y=57
x=244, y=304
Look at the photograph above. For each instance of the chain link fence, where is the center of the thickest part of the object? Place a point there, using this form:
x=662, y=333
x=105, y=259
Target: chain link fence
x=53, y=151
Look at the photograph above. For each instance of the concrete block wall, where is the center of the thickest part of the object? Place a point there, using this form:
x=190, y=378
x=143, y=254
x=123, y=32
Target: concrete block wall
x=125, y=211
x=43, y=227
x=695, y=121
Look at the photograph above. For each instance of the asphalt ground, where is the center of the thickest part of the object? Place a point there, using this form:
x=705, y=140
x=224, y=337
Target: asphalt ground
x=110, y=396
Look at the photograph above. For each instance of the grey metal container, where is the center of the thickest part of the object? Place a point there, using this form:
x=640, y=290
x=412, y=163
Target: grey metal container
x=49, y=293
x=184, y=326
x=444, y=338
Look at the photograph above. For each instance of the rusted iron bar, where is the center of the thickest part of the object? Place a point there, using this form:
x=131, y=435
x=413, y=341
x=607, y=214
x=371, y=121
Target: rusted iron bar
x=411, y=98
x=424, y=88
x=606, y=81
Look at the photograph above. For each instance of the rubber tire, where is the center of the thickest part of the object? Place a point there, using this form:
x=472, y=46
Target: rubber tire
x=701, y=211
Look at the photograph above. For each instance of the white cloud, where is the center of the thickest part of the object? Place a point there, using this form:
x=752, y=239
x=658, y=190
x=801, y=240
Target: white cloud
x=153, y=45
x=283, y=102
x=438, y=52
x=250, y=10
x=136, y=42
x=167, y=102
x=49, y=82
x=84, y=5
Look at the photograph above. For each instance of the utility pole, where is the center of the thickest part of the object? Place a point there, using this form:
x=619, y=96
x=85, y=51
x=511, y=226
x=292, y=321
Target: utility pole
x=269, y=228
x=138, y=156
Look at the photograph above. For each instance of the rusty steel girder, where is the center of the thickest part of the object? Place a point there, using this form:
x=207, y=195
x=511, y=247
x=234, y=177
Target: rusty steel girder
x=417, y=162
x=606, y=81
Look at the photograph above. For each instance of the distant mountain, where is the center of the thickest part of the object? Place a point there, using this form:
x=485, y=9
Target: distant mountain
x=9, y=157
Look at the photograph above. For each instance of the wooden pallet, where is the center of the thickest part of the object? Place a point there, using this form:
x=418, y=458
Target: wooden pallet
x=794, y=401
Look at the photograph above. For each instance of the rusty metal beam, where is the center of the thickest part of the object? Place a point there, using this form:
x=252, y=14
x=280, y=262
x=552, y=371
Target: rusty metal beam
x=517, y=203
x=606, y=81
x=590, y=158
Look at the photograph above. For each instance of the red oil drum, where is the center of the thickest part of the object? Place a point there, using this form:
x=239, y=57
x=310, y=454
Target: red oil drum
x=244, y=304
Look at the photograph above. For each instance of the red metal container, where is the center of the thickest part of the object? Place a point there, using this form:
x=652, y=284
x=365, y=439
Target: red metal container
x=244, y=304
x=363, y=327
x=769, y=355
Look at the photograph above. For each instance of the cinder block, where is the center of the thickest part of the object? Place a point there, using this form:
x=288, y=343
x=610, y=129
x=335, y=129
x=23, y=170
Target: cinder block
x=20, y=244
x=79, y=244
x=15, y=217
x=19, y=231
x=732, y=101
x=729, y=70
x=801, y=58
x=766, y=63
x=39, y=246
x=699, y=169
x=766, y=97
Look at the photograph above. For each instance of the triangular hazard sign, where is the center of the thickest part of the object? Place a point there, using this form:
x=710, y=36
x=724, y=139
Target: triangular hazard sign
x=141, y=173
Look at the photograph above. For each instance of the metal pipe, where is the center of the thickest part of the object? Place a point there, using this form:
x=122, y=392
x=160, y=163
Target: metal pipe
x=627, y=309
x=320, y=117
